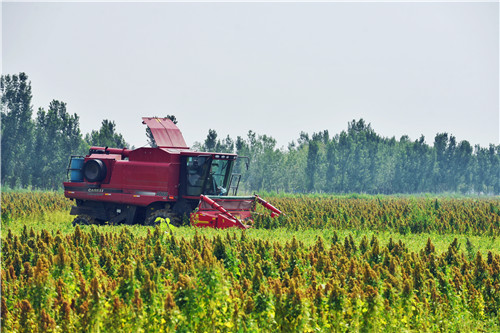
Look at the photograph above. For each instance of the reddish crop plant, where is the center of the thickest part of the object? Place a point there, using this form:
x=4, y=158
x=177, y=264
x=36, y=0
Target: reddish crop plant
x=92, y=279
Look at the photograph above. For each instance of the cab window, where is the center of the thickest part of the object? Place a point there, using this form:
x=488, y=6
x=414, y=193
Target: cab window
x=196, y=172
x=218, y=177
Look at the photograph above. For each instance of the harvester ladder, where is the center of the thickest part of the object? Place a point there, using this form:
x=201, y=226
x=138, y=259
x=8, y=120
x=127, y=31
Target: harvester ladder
x=235, y=178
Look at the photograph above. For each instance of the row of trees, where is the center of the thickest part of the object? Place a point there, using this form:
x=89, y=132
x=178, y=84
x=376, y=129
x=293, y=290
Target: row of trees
x=360, y=160
x=36, y=150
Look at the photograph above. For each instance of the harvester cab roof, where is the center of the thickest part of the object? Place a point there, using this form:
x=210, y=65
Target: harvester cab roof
x=119, y=185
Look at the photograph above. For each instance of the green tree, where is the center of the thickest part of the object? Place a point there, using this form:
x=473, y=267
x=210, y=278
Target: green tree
x=487, y=169
x=210, y=141
x=266, y=168
x=106, y=136
x=332, y=166
x=241, y=150
x=17, y=130
x=344, y=155
x=57, y=137
x=451, y=164
x=440, y=171
x=463, y=166
x=294, y=177
x=312, y=164
x=359, y=160
x=225, y=146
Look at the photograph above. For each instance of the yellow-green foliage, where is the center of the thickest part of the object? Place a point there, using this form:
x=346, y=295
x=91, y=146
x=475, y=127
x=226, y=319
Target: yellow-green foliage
x=405, y=215
x=21, y=204
x=331, y=264
x=401, y=214
x=100, y=281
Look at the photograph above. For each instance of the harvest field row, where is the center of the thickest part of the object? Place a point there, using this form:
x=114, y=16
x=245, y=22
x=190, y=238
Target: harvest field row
x=397, y=214
x=404, y=215
x=277, y=276
x=16, y=205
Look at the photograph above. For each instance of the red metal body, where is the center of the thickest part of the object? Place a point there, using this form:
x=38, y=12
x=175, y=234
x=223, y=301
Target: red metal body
x=141, y=176
x=123, y=185
x=138, y=177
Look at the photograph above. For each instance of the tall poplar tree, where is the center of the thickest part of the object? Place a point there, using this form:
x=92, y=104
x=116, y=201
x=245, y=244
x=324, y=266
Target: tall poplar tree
x=17, y=129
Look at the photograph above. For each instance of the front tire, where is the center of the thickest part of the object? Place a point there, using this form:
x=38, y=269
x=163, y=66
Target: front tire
x=163, y=214
x=83, y=220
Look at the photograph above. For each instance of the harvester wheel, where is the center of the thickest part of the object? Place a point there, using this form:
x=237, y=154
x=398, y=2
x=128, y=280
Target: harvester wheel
x=163, y=214
x=83, y=220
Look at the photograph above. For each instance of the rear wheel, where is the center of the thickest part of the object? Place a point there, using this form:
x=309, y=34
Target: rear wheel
x=155, y=217
x=83, y=220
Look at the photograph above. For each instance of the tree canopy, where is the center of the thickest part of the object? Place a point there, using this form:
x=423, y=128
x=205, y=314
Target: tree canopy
x=360, y=160
x=106, y=136
x=36, y=152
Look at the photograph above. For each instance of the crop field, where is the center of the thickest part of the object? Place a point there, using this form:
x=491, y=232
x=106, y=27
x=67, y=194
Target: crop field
x=333, y=263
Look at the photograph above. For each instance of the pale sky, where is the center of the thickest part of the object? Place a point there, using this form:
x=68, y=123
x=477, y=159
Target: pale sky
x=274, y=68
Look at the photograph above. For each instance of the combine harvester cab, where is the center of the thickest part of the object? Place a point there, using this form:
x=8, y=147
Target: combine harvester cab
x=119, y=185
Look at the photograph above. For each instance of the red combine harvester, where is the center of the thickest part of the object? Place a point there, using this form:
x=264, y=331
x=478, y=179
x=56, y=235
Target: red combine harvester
x=119, y=185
